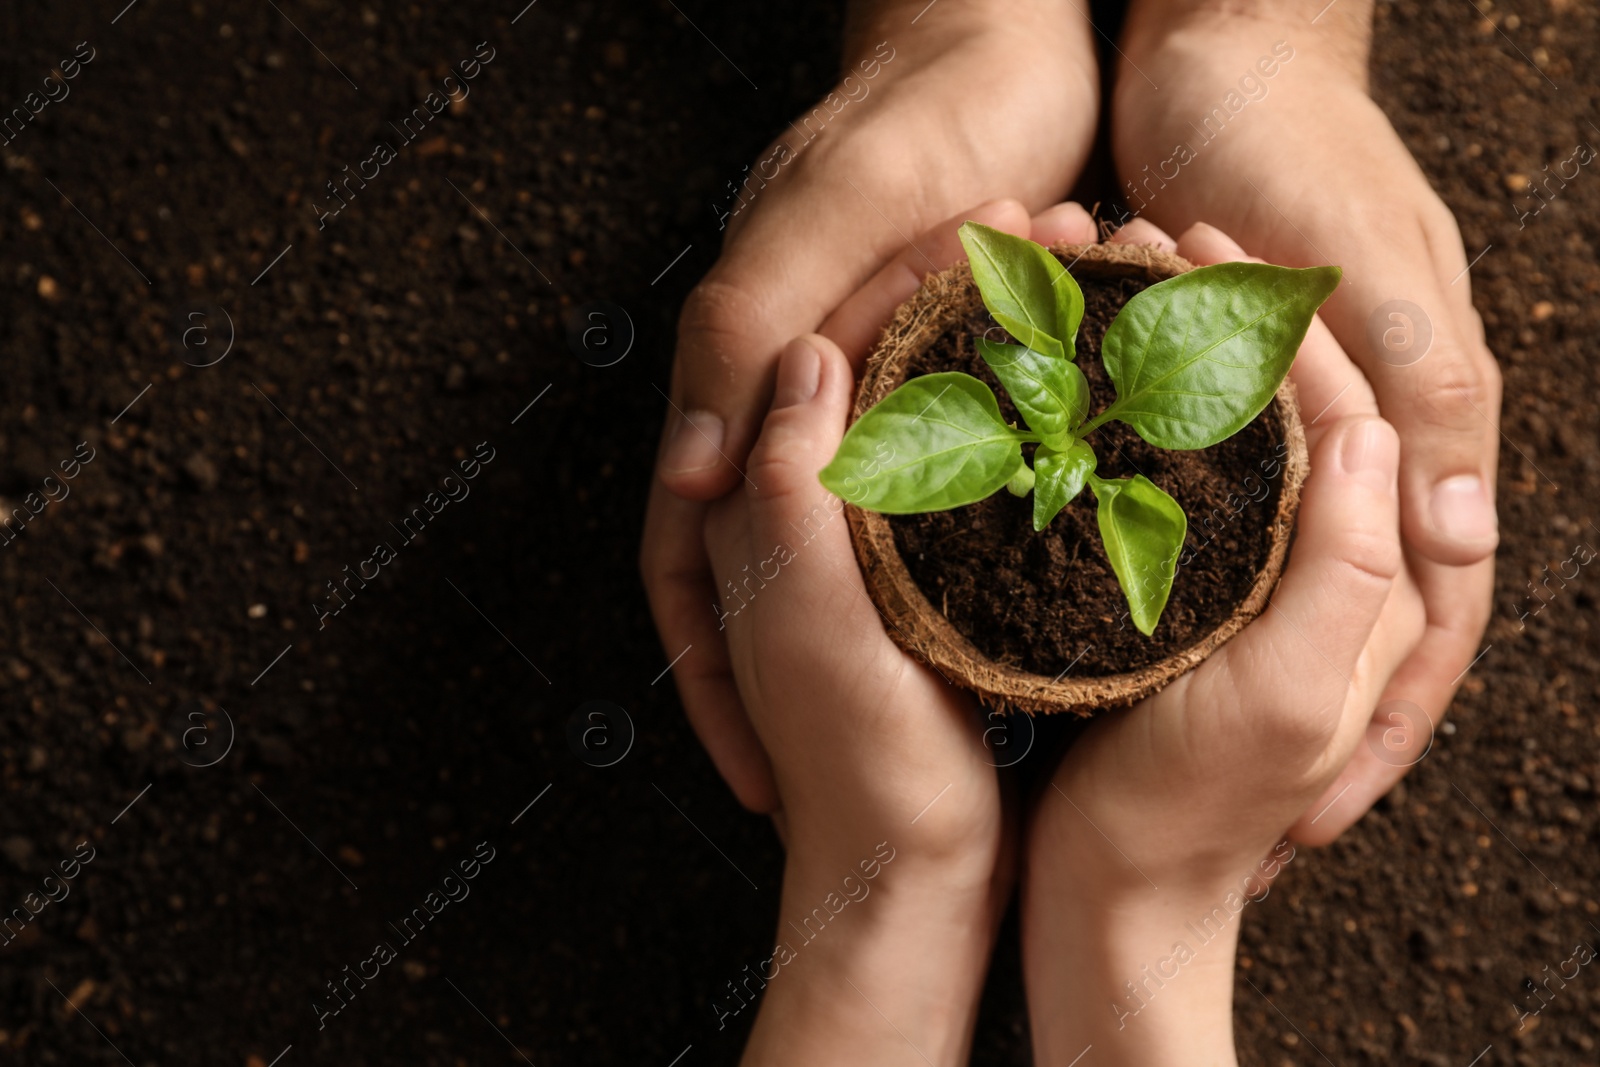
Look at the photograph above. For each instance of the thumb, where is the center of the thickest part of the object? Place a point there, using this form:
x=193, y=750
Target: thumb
x=808, y=257
x=807, y=245
x=810, y=406
x=1301, y=663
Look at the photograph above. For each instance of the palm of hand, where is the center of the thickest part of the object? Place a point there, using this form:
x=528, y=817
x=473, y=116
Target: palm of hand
x=863, y=740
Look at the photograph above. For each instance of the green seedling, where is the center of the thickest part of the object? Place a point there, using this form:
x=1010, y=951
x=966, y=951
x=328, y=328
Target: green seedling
x=1193, y=360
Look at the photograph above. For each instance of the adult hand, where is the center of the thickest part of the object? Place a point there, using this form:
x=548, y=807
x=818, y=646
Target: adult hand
x=1263, y=127
x=971, y=100
x=1159, y=817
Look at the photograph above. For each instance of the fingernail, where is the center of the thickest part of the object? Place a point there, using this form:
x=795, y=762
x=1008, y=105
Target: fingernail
x=1370, y=454
x=1144, y=232
x=696, y=443
x=799, y=374
x=1462, y=510
x=1225, y=244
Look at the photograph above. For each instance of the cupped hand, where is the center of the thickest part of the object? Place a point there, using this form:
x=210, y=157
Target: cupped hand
x=885, y=790
x=968, y=108
x=892, y=816
x=866, y=744
x=1159, y=814
x=856, y=729
x=1302, y=168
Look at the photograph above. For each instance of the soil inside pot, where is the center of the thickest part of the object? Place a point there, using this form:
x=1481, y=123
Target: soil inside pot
x=1048, y=602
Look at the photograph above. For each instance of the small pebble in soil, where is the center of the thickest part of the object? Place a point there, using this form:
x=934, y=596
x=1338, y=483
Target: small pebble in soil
x=201, y=470
x=17, y=849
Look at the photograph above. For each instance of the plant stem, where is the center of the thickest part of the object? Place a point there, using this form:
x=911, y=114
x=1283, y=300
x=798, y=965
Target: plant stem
x=1095, y=423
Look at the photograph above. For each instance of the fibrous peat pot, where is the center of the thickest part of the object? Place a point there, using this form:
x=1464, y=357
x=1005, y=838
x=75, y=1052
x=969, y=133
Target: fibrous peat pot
x=1036, y=622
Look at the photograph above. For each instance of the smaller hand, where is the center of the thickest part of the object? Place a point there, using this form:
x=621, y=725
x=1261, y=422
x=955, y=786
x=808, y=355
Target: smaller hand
x=1166, y=815
x=892, y=815
x=872, y=753
x=861, y=737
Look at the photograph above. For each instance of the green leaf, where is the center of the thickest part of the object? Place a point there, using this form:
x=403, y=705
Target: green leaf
x=1025, y=288
x=1058, y=478
x=1143, y=530
x=1196, y=357
x=936, y=442
x=1051, y=393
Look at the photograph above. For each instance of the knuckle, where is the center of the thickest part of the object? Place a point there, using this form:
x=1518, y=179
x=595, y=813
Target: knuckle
x=1389, y=215
x=782, y=462
x=1439, y=219
x=1493, y=380
x=1397, y=636
x=1296, y=733
x=1461, y=628
x=1310, y=730
x=1439, y=226
x=717, y=317
x=1367, y=564
x=1286, y=734
x=1460, y=390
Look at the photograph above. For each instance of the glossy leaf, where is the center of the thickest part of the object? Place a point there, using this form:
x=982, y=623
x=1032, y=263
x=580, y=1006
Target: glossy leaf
x=1143, y=530
x=1025, y=288
x=1051, y=393
x=1058, y=478
x=1196, y=357
x=936, y=442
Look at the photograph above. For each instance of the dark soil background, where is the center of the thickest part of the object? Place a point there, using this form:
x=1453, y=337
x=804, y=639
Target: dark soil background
x=172, y=598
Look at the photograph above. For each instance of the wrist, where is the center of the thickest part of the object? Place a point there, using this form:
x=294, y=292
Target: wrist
x=1339, y=42
x=872, y=962
x=1257, y=91
x=1113, y=848
x=1132, y=949
x=1056, y=24
x=1017, y=68
x=1146, y=981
